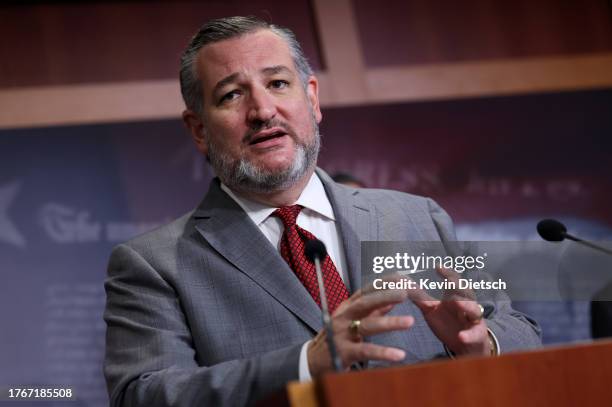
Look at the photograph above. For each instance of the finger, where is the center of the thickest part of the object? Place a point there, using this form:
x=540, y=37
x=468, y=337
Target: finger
x=422, y=299
x=382, y=311
x=356, y=295
x=418, y=294
x=473, y=341
x=369, y=288
x=376, y=325
x=475, y=334
x=346, y=303
x=366, y=304
x=453, y=276
x=389, y=277
x=448, y=274
x=363, y=351
x=470, y=310
x=466, y=313
x=426, y=306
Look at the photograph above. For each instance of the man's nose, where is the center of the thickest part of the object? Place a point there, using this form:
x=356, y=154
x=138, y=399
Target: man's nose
x=261, y=106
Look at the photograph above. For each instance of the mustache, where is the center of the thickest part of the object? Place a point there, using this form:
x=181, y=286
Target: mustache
x=268, y=125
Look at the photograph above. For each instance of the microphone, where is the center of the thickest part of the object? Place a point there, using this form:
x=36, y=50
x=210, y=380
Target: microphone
x=555, y=231
x=315, y=252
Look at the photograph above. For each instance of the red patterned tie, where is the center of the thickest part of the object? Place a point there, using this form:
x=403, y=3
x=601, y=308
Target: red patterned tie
x=292, y=250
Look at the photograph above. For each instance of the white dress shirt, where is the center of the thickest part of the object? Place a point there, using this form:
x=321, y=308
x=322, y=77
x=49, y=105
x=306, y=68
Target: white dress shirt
x=317, y=217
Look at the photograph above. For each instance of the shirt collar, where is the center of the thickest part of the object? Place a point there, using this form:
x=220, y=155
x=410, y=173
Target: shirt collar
x=313, y=197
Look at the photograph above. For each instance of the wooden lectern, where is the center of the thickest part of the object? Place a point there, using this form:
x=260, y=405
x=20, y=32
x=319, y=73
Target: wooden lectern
x=578, y=375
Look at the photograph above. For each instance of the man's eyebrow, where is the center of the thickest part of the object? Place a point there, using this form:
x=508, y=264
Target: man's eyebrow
x=225, y=81
x=271, y=70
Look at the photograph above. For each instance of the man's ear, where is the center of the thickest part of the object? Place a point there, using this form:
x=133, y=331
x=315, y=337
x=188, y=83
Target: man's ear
x=196, y=127
x=312, y=92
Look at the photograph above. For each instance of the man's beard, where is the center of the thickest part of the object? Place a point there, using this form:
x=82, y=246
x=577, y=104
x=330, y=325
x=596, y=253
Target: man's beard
x=242, y=175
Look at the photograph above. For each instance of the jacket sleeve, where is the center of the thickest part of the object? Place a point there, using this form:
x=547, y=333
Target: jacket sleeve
x=514, y=330
x=150, y=358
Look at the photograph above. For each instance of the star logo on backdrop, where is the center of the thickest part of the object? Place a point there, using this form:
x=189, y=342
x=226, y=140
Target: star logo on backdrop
x=8, y=231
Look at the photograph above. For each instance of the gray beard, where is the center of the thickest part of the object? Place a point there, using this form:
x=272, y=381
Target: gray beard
x=242, y=175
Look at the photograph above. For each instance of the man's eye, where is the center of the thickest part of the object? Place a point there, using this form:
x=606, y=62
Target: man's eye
x=279, y=84
x=229, y=96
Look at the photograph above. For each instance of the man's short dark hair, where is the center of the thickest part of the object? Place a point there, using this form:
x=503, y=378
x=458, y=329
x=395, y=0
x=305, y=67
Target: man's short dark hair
x=223, y=29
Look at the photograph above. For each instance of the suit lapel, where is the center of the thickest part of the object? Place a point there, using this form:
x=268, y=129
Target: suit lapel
x=356, y=220
x=230, y=231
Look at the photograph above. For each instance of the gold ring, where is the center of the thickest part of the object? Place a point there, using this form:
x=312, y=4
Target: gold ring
x=481, y=311
x=354, y=328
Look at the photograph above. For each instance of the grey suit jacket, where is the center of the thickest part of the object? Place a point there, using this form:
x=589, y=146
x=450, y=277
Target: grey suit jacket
x=204, y=311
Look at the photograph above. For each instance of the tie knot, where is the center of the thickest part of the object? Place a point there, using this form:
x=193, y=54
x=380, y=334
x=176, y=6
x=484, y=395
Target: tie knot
x=288, y=214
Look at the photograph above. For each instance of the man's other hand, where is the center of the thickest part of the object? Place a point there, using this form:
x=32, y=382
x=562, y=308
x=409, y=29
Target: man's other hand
x=457, y=320
x=360, y=316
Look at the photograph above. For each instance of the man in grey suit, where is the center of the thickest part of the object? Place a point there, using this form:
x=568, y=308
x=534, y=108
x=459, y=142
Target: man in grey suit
x=214, y=308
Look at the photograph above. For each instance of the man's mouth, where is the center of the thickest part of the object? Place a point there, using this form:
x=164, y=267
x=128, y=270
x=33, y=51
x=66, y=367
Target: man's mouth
x=267, y=135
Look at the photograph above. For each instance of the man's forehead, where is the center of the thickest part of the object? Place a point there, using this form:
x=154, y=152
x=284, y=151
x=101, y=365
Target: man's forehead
x=251, y=52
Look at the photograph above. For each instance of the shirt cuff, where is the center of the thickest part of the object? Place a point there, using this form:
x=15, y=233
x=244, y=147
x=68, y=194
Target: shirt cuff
x=492, y=338
x=495, y=341
x=304, y=373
